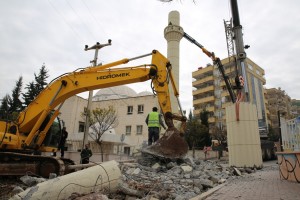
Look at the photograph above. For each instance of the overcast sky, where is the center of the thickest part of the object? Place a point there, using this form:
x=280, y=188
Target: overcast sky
x=54, y=32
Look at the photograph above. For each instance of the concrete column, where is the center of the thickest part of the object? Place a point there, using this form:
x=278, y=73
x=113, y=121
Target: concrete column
x=243, y=136
x=173, y=34
x=106, y=175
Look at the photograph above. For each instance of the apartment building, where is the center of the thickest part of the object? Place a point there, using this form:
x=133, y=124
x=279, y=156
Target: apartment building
x=295, y=108
x=279, y=103
x=210, y=92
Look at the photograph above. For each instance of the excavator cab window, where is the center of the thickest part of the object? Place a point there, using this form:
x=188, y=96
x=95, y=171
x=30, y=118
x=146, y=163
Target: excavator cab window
x=13, y=129
x=53, y=134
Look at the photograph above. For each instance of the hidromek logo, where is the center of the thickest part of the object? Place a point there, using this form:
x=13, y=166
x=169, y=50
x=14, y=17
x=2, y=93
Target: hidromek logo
x=113, y=76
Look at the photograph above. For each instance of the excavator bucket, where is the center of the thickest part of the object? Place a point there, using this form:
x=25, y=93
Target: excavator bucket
x=171, y=146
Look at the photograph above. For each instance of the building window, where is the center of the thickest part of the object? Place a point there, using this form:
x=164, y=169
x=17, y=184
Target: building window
x=129, y=110
x=257, y=72
x=128, y=130
x=139, y=129
x=140, y=109
x=250, y=66
x=81, y=127
x=127, y=150
x=85, y=111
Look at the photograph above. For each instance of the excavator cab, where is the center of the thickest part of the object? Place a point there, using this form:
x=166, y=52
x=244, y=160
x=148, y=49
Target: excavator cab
x=53, y=134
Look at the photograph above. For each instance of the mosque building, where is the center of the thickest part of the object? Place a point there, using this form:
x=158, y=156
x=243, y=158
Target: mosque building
x=132, y=109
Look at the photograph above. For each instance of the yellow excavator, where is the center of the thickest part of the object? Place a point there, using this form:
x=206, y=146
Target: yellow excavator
x=37, y=130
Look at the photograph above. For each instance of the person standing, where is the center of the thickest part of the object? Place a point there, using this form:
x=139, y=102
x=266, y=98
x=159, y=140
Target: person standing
x=154, y=122
x=85, y=154
x=62, y=142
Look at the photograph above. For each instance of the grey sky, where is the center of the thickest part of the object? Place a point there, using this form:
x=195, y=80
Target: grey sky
x=54, y=32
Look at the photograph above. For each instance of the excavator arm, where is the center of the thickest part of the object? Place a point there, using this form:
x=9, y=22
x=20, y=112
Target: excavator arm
x=34, y=122
x=220, y=66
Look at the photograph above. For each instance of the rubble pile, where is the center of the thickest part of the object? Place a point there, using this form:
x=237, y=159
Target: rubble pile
x=173, y=180
x=152, y=178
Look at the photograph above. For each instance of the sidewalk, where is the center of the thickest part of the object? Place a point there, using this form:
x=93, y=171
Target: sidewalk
x=264, y=184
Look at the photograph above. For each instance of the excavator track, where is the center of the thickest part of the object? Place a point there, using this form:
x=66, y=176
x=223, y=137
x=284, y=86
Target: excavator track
x=18, y=164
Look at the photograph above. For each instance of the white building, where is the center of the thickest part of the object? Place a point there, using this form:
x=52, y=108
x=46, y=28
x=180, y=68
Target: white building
x=132, y=109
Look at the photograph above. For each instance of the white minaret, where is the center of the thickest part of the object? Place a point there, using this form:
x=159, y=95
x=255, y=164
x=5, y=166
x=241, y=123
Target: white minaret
x=173, y=34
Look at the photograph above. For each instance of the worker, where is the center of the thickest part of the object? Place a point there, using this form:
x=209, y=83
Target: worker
x=154, y=122
x=85, y=154
x=62, y=142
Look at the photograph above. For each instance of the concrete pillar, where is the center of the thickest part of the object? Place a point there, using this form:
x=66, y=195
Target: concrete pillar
x=102, y=176
x=243, y=136
x=173, y=34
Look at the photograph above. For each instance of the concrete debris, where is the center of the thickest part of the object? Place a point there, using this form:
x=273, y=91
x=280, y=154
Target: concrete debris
x=16, y=190
x=31, y=181
x=237, y=172
x=156, y=179
x=92, y=196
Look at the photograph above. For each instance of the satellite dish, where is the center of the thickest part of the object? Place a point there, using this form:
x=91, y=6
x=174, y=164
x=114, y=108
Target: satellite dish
x=122, y=137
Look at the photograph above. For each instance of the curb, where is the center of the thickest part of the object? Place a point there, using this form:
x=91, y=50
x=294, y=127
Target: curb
x=208, y=192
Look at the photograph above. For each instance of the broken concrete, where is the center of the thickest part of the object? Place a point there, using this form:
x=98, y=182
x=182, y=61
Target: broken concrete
x=156, y=179
x=99, y=178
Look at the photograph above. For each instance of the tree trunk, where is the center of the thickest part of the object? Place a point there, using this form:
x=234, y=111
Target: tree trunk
x=101, y=149
x=193, y=147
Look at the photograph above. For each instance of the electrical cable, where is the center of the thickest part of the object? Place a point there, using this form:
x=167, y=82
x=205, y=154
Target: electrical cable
x=56, y=10
x=87, y=28
x=90, y=12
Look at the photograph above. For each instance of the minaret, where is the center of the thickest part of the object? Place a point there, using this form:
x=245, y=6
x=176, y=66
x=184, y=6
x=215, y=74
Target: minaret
x=173, y=34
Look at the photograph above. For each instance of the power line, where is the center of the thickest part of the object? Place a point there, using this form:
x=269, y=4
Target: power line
x=90, y=12
x=100, y=27
x=87, y=28
x=56, y=10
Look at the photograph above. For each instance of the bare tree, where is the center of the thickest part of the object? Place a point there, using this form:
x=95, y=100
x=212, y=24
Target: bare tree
x=221, y=136
x=218, y=134
x=101, y=120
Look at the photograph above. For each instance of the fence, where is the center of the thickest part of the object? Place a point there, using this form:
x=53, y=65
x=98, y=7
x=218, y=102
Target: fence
x=290, y=133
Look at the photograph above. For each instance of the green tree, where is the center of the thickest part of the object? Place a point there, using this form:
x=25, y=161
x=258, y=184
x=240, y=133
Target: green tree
x=30, y=94
x=194, y=134
x=41, y=78
x=15, y=103
x=101, y=120
x=4, y=108
x=204, y=121
x=36, y=86
x=204, y=117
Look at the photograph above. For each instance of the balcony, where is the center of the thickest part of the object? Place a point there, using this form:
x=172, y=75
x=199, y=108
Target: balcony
x=201, y=72
x=203, y=80
x=206, y=107
x=203, y=100
x=203, y=90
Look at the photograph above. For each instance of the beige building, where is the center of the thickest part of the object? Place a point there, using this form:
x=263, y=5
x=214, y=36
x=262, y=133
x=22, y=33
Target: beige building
x=132, y=109
x=295, y=109
x=211, y=94
x=278, y=103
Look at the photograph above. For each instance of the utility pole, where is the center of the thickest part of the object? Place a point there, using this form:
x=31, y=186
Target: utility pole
x=95, y=47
